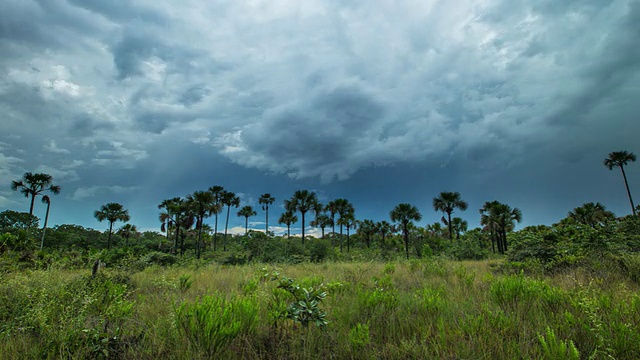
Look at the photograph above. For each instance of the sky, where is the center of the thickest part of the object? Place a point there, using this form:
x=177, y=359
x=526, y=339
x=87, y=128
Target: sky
x=377, y=101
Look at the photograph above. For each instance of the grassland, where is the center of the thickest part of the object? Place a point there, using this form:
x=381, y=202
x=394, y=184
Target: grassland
x=427, y=308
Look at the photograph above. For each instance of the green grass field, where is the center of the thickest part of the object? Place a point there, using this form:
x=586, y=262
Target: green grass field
x=428, y=308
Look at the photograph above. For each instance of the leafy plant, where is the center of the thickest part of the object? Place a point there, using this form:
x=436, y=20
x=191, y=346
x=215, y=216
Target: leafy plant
x=554, y=349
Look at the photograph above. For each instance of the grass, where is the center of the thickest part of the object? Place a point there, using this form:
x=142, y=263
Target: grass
x=430, y=308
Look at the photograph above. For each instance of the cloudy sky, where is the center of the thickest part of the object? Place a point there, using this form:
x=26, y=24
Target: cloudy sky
x=377, y=101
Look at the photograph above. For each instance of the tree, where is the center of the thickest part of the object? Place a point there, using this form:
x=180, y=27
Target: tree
x=332, y=208
x=447, y=202
x=322, y=221
x=288, y=218
x=383, y=228
x=127, y=231
x=111, y=212
x=247, y=212
x=170, y=218
x=621, y=159
x=499, y=218
x=302, y=201
x=34, y=185
x=367, y=228
x=349, y=221
x=229, y=199
x=404, y=214
x=10, y=220
x=218, y=192
x=266, y=200
x=46, y=200
x=459, y=226
x=591, y=214
x=343, y=207
x=203, y=205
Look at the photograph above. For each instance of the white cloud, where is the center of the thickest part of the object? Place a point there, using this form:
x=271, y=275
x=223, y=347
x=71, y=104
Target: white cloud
x=93, y=191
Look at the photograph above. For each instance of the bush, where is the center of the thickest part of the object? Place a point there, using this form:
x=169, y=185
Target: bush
x=158, y=258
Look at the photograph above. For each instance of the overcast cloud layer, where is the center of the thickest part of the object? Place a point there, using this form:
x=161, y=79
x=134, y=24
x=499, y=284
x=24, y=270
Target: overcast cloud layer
x=379, y=101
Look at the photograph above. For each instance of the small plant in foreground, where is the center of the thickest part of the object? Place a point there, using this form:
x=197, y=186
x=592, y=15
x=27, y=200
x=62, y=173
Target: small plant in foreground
x=554, y=349
x=305, y=309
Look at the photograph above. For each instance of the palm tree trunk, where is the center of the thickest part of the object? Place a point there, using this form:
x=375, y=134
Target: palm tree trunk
x=340, y=237
x=109, y=238
x=450, y=227
x=322, y=227
x=175, y=247
x=33, y=200
x=406, y=241
x=226, y=225
x=302, y=229
x=215, y=233
x=266, y=221
x=199, y=238
x=348, y=242
x=44, y=228
x=626, y=184
x=246, y=225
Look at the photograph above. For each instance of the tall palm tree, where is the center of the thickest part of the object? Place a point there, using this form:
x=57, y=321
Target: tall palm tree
x=332, y=209
x=168, y=217
x=383, y=228
x=218, y=192
x=322, y=221
x=621, y=159
x=349, y=222
x=343, y=207
x=128, y=230
x=247, y=212
x=302, y=201
x=229, y=199
x=499, y=219
x=367, y=228
x=34, y=185
x=203, y=205
x=405, y=214
x=288, y=218
x=459, y=226
x=111, y=212
x=265, y=200
x=46, y=200
x=447, y=202
x=591, y=214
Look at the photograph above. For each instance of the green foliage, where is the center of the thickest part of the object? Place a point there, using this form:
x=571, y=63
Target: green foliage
x=305, y=309
x=359, y=337
x=158, y=258
x=554, y=349
x=212, y=322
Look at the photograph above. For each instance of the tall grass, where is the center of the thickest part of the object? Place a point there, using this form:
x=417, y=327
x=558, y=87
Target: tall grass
x=430, y=308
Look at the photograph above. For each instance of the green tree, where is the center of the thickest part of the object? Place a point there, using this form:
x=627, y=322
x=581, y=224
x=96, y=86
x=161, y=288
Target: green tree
x=621, y=159
x=332, y=209
x=459, y=226
x=218, y=194
x=229, y=199
x=46, y=200
x=247, y=212
x=383, y=228
x=288, y=218
x=302, y=201
x=203, y=205
x=348, y=220
x=499, y=219
x=34, y=185
x=127, y=231
x=367, y=228
x=343, y=208
x=111, y=212
x=322, y=221
x=405, y=214
x=447, y=202
x=266, y=200
x=591, y=214
x=10, y=220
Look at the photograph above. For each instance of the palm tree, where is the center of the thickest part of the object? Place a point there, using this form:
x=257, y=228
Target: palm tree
x=343, y=207
x=302, y=201
x=288, y=218
x=229, y=199
x=459, y=226
x=33, y=185
x=203, y=205
x=127, y=231
x=218, y=192
x=46, y=200
x=621, y=159
x=404, y=214
x=383, y=228
x=349, y=221
x=332, y=208
x=591, y=214
x=447, y=202
x=367, y=227
x=168, y=218
x=111, y=212
x=322, y=221
x=247, y=212
x=266, y=200
x=499, y=219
